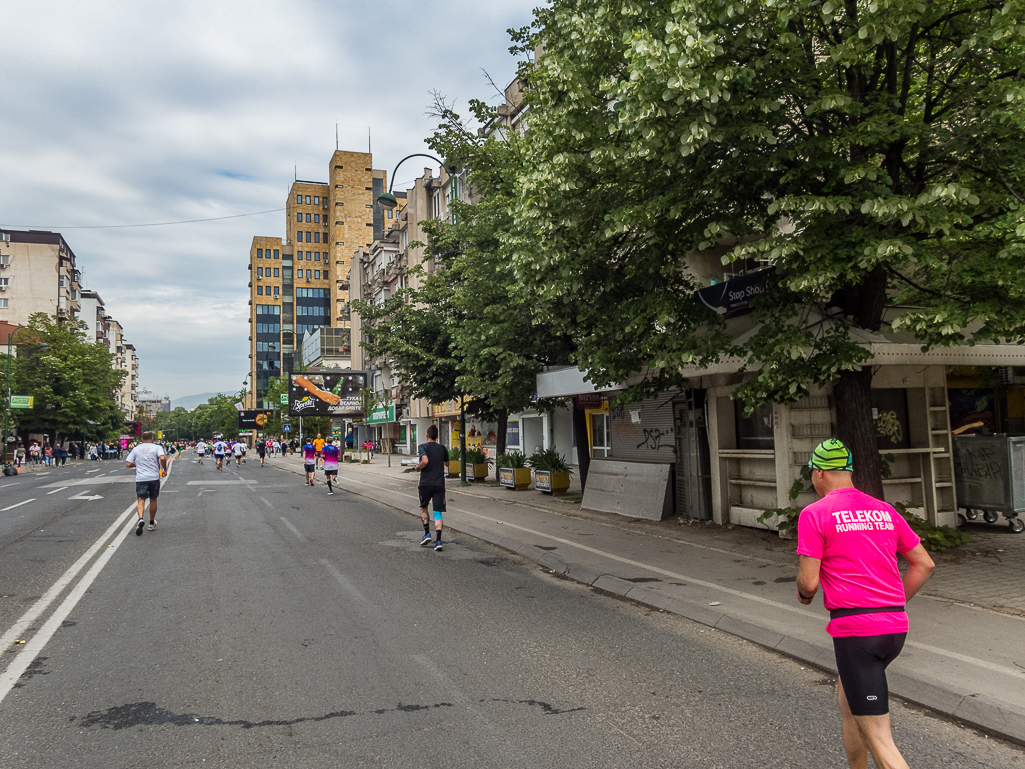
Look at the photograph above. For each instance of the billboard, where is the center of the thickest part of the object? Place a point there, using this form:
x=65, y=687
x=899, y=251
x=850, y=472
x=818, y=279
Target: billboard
x=327, y=394
x=253, y=419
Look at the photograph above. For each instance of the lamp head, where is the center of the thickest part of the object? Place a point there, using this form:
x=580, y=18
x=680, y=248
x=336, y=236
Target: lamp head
x=388, y=200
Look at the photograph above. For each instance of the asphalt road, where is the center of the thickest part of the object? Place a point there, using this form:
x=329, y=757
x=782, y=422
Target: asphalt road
x=266, y=624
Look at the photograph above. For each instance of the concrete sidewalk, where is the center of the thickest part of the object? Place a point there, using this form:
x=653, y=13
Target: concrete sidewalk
x=962, y=660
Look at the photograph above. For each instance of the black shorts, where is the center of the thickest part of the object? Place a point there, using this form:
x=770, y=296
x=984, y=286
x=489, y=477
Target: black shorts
x=331, y=472
x=861, y=662
x=147, y=489
x=434, y=495
x=310, y=467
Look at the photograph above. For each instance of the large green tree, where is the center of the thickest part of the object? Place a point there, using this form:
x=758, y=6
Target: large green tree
x=873, y=151
x=72, y=380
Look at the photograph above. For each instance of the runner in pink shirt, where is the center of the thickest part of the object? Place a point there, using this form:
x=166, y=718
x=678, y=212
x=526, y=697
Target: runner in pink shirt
x=848, y=543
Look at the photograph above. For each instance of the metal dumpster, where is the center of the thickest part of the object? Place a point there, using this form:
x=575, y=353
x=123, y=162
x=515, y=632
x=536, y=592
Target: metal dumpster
x=989, y=477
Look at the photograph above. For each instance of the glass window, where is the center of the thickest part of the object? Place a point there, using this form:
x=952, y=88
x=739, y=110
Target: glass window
x=309, y=274
x=259, y=290
x=276, y=272
x=600, y=435
x=275, y=290
x=307, y=200
x=316, y=274
x=299, y=256
x=316, y=200
x=276, y=253
x=298, y=217
x=308, y=217
x=755, y=431
x=316, y=237
x=316, y=256
x=298, y=198
x=389, y=213
x=316, y=218
x=259, y=253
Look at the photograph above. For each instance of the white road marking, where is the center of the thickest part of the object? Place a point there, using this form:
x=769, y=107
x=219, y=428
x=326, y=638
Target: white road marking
x=56, y=490
x=342, y=580
x=293, y=529
x=11, y=507
x=219, y=483
x=36, y=644
x=80, y=495
x=262, y=499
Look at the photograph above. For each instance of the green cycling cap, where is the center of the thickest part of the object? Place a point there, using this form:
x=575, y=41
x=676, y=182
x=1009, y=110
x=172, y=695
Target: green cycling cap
x=832, y=455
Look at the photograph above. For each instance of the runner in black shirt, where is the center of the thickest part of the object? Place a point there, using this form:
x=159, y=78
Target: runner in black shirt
x=432, y=483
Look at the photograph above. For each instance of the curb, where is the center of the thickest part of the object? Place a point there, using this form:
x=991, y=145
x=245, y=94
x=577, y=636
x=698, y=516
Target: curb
x=1001, y=719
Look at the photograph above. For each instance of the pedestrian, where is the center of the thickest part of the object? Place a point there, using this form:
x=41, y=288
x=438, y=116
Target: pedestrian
x=48, y=456
x=318, y=447
x=309, y=461
x=261, y=451
x=848, y=543
x=19, y=455
x=63, y=455
x=219, y=455
x=200, y=451
x=330, y=455
x=349, y=440
x=150, y=464
x=236, y=451
x=432, y=484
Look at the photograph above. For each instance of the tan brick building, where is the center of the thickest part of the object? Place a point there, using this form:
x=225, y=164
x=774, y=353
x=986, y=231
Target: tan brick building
x=301, y=283
x=37, y=274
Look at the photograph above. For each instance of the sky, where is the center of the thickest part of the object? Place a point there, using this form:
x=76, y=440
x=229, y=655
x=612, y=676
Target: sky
x=116, y=112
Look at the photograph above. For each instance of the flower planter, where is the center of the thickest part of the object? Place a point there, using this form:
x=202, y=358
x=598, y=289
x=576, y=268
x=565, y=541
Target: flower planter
x=551, y=482
x=453, y=468
x=476, y=472
x=515, y=478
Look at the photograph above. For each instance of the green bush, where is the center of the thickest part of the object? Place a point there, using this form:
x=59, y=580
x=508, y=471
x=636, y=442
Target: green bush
x=934, y=538
x=475, y=457
x=550, y=460
x=512, y=459
x=454, y=454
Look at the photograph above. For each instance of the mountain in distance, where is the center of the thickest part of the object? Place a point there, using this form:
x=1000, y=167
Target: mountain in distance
x=190, y=402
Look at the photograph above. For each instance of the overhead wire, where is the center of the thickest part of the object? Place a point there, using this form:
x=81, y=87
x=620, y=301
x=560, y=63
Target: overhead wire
x=126, y=226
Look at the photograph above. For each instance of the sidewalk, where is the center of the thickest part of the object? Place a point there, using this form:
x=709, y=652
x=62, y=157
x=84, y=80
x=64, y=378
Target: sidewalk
x=965, y=655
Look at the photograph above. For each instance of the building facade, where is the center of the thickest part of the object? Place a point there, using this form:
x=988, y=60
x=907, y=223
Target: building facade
x=300, y=284
x=37, y=274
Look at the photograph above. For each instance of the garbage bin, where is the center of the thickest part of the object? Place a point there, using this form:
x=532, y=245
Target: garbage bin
x=989, y=477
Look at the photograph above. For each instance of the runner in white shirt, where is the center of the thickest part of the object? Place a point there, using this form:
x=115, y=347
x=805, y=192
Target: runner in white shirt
x=237, y=452
x=201, y=451
x=219, y=455
x=150, y=464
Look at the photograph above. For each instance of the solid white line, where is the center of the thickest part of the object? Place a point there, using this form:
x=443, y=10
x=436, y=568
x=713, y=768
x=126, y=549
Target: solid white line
x=56, y=490
x=11, y=507
x=21, y=663
x=293, y=529
x=262, y=499
x=15, y=631
x=965, y=658
x=343, y=581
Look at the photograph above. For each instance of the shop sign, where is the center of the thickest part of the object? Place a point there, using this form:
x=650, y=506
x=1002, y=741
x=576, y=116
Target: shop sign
x=446, y=408
x=589, y=400
x=22, y=401
x=284, y=400
x=506, y=477
x=251, y=419
x=381, y=415
x=734, y=298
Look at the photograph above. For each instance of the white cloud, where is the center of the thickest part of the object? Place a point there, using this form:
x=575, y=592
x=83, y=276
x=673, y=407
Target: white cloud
x=119, y=112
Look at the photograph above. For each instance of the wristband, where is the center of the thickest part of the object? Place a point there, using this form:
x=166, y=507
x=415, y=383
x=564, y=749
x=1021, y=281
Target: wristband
x=805, y=597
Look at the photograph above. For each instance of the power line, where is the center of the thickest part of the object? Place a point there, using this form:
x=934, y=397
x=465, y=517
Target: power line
x=125, y=226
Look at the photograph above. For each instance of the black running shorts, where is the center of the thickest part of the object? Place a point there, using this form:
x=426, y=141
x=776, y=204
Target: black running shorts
x=310, y=467
x=434, y=495
x=331, y=473
x=147, y=489
x=861, y=662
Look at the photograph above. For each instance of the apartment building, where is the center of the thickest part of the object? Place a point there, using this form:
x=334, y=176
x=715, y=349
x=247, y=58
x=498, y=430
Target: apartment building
x=300, y=283
x=105, y=330
x=37, y=274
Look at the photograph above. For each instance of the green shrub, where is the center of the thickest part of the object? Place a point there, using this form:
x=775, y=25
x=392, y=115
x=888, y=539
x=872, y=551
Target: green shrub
x=550, y=460
x=453, y=454
x=512, y=459
x=475, y=457
x=934, y=538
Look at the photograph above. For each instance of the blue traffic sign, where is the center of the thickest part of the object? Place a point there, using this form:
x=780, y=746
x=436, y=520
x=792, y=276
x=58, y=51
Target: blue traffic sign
x=287, y=428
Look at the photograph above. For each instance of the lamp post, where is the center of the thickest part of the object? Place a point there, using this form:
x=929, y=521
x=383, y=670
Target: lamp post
x=388, y=199
x=7, y=380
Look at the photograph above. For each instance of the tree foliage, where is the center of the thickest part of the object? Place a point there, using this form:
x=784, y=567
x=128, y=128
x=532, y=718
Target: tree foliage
x=872, y=151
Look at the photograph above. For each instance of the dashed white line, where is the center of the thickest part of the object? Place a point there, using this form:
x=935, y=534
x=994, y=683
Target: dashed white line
x=293, y=529
x=56, y=490
x=11, y=507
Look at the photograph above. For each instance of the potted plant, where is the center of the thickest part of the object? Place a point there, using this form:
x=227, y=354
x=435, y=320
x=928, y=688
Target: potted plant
x=476, y=465
x=453, y=462
x=551, y=473
x=513, y=472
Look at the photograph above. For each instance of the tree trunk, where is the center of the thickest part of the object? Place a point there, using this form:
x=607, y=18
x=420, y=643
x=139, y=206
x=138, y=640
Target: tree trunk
x=503, y=426
x=852, y=394
x=583, y=449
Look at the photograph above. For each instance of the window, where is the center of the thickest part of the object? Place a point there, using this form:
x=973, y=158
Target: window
x=259, y=290
x=316, y=200
x=308, y=217
x=368, y=205
x=309, y=274
x=389, y=213
x=298, y=217
x=259, y=253
x=601, y=446
x=298, y=198
x=4, y=304
x=299, y=256
x=275, y=290
x=276, y=252
x=316, y=218
x=317, y=274
x=307, y=200
x=259, y=272
x=268, y=309
x=276, y=272
x=316, y=237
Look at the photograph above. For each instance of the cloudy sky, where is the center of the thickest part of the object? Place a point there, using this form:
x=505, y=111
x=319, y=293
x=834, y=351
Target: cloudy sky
x=117, y=112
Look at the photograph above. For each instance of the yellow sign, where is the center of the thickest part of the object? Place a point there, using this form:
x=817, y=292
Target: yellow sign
x=160, y=435
x=446, y=409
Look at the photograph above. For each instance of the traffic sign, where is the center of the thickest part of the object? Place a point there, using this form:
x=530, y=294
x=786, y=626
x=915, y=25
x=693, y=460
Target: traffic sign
x=286, y=428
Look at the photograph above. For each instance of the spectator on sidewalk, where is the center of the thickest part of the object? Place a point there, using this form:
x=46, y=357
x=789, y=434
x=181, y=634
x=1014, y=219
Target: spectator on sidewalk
x=848, y=543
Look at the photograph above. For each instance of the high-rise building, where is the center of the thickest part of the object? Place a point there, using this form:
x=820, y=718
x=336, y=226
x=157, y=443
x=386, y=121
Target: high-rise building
x=106, y=331
x=37, y=274
x=300, y=284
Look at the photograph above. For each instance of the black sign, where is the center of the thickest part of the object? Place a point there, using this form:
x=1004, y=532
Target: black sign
x=254, y=419
x=734, y=297
x=326, y=394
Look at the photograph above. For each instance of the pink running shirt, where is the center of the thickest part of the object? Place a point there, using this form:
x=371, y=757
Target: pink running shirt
x=857, y=538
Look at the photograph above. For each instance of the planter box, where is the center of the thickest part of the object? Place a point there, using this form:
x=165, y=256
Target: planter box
x=453, y=468
x=515, y=478
x=556, y=483
x=475, y=472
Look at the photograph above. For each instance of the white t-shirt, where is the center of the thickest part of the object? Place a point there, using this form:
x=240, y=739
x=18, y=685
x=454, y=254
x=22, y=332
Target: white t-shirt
x=201, y=448
x=237, y=449
x=219, y=447
x=146, y=458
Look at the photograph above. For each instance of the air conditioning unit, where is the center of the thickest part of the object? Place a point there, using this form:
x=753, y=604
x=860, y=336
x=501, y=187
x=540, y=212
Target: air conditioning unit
x=3, y=288
x=5, y=260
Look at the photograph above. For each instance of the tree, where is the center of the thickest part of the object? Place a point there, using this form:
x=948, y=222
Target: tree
x=873, y=152
x=72, y=381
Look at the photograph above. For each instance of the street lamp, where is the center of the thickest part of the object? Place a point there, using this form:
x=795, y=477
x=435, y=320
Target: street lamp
x=388, y=199
x=7, y=405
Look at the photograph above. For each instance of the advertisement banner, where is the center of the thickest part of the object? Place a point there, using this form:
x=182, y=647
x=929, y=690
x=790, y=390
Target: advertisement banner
x=22, y=401
x=446, y=409
x=380, y=415
x=331, y=394
x=253, y=419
